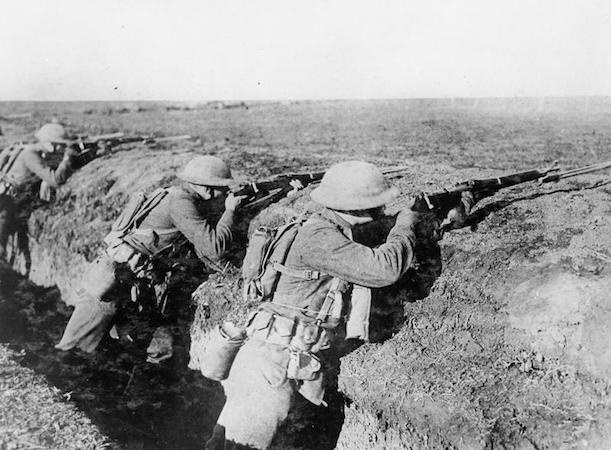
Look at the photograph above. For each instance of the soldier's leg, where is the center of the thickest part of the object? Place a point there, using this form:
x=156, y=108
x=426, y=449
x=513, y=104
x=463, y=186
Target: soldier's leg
x=161, y=346
x=259, y=397
x=92, y=317
x=7, y=217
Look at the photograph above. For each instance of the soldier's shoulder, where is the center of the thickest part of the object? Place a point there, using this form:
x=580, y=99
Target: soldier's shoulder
x=317, y=224
x=177, y=192
x=31, y=149
x=178, y=196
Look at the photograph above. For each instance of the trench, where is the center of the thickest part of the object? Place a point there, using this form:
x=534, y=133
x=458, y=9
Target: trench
x=448, y=336
x=452, y=363
x=136, y=404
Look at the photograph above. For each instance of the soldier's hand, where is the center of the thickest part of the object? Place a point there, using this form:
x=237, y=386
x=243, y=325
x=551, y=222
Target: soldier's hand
x=457, y=217
x=296, y=185
x=103, y=149
x=71, y=153
x=409, y=218
x=232, y=201
x=426, y=225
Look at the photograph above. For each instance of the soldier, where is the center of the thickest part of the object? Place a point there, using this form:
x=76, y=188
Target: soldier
x=23, y=164
x=284, y=335
x=181, y=212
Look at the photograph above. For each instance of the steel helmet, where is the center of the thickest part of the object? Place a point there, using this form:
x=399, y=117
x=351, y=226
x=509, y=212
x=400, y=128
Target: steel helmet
x=207, y=171
x=52, y=132
x=354, y=185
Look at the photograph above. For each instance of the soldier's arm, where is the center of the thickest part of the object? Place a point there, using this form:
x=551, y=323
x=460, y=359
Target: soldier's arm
x=54, y=178
x=340, y=257
x=209, y=241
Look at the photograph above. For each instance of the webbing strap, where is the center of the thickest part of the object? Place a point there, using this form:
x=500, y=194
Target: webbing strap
x=10, y=162
x=326, y=307
x=331, y=308
x=303, y=274
x=158, y=231
x=154, y=199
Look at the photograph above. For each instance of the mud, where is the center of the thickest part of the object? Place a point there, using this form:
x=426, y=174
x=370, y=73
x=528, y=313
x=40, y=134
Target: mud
x=506, y=346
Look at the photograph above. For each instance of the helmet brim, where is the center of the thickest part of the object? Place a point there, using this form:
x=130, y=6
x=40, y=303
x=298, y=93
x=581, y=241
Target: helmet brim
x=225, y=182
x=53, y=141
x=340, y=202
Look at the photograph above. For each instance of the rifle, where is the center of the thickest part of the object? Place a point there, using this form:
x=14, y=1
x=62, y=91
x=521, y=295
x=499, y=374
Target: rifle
x=278, y=185
x=441, y=203
x=89, y=147
x=10, y=117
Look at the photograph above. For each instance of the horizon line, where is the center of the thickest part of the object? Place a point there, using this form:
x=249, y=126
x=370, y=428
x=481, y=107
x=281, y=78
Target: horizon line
x=570, y=96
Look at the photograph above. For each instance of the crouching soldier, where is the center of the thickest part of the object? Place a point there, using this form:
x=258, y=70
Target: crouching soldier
x=323, y=267
x=138, y=244
x=21, y=165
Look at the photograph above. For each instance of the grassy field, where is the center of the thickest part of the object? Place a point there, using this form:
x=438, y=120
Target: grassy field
x=504, y=348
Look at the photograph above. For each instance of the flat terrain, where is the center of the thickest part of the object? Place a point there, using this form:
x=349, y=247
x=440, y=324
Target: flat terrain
x=504, y=347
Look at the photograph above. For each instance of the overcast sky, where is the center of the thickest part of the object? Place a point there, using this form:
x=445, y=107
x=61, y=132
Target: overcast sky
x=282, y=49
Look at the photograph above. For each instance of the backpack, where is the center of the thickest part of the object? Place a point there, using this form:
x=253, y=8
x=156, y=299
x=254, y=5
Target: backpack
x=266, y=254
x=137, y=208
x=8, y=156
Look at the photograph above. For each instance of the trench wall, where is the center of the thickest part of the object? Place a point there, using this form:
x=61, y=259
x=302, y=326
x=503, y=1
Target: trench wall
x=510, y=347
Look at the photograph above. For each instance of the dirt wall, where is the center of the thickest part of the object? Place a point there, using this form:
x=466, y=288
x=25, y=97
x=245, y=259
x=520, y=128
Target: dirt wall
x=510, y=347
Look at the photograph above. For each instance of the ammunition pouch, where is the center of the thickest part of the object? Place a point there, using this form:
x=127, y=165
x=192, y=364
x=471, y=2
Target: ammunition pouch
x=291, y=333
x=301, y=340
x=149, y=270
x=123, y=253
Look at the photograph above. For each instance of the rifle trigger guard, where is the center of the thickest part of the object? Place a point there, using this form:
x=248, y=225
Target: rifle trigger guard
x=428, y=202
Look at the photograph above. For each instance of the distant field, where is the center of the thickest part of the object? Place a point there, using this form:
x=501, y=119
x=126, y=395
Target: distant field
x=494, y=133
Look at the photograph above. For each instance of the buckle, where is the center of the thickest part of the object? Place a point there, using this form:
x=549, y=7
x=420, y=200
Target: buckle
x=311, y=275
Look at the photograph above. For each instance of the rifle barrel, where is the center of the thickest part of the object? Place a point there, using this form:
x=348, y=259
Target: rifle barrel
x=395, y=169
x=172, y=138
x=102, y=137
x=577, y=171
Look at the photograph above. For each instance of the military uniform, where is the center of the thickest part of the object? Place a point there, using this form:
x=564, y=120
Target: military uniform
x=140, y=252
x=262, y=380
x=29, y=166
x=180, y=214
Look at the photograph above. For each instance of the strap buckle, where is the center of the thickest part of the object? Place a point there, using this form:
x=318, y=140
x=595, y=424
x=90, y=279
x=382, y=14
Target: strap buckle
x=310, y=275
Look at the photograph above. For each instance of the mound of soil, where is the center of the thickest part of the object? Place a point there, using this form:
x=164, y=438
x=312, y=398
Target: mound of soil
x=509, y=348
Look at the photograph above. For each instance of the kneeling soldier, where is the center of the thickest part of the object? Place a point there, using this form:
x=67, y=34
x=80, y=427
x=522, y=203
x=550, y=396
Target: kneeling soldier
x=24, y=164
x=137, y=253
x=322, y=265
